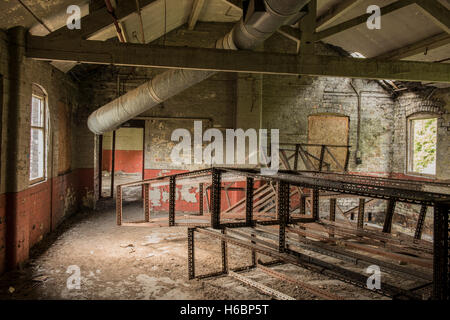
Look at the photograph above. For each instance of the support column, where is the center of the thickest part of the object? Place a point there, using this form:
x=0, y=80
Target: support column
x=254, y=257
x=147, y=202
x=191, y=256
x=119, y=205
x=224, y=254
x=200, y=199
x=249, y=202
x=389, y=215
x=308, y=28
x=16, y=150
x=113, y=162
x=333, y=209
x=172, y=189
x=215, y=198
x=420, y=222
x=315, y=204
x=362, y=203
x=440, y=252
x=333, y=204
x=322, y=155
x=283, y=212
x=297, y=150
x=302, y=204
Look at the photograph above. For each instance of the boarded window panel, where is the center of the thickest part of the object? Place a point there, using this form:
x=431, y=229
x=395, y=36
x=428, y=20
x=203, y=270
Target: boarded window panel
x=328, y=129
x=64, y=138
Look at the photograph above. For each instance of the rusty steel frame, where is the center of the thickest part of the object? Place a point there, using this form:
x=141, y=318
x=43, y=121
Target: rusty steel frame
x=249, y=201
x=315, y=204
x=200, y=199
x=390, y=190
x=172, y=191
x=333, y=209
x=306, y=156
x=341, y=254
x=441, y=252
x=147, y=202
x=311, y=289
x=283, y=212
x=216, y=198
x=420, y=222
x=263, y=288
x=224, y=257
x=310, y=263
x=119, y=209
x=390, y=210
x=361, y=208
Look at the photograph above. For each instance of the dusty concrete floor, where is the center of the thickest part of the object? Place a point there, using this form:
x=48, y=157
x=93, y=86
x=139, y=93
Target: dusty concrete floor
x=142, y=263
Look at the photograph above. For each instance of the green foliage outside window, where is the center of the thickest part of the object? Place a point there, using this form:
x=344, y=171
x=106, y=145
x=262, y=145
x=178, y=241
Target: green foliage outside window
x=425, y=133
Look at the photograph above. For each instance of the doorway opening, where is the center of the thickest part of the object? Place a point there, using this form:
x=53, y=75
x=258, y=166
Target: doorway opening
x=122, y=159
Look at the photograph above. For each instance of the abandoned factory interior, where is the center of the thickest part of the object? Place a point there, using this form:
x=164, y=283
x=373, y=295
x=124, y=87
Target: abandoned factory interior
x=224, y=150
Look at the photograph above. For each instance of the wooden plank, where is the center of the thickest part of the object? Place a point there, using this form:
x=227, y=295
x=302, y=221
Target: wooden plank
x=436, y=12
x=418, y=47
x=98, y=20
x=130, y=54
x=335, y=12
x=195, y=13
x=361, y=19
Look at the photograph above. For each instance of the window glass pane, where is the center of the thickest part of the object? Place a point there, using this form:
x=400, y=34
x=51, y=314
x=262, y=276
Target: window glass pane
x=37, y=114
x=424, y=144
x=37, y=154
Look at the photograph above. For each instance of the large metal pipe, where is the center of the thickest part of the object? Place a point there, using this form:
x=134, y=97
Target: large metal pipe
x=265, y=18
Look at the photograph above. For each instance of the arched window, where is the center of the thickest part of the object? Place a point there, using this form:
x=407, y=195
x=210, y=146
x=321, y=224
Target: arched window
x=422, y=143
x=38, y=134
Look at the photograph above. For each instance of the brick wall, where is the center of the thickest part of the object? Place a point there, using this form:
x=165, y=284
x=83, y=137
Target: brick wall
x=269, y=101
x=30, y=211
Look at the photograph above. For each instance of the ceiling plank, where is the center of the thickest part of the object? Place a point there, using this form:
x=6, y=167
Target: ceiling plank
x=361, y=19
x=419, y=47
x=98, y=20
x=437, y=12
x=128, y=54
x=195, y=13
x=373, y=69
x=335, y=12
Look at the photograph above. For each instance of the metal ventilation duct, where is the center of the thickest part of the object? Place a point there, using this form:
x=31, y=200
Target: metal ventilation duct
x=263, y=18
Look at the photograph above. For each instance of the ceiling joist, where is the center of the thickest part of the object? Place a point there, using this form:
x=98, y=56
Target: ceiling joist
x=195, y=13
x=419, y=47
x=437, y=12
x=126, y=54
x=336, y=12
x=98, y=20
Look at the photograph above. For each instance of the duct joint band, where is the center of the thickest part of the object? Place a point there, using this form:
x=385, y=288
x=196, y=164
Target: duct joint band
x=153, y=94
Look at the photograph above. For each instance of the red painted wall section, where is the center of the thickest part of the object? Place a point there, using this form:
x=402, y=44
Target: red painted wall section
x=129, y=153
x=27, y=216
x=187, y=198
x=128, y=161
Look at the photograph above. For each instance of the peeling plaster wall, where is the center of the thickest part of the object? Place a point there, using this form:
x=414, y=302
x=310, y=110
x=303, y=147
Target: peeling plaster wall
x=30, y=211
x=407, y=105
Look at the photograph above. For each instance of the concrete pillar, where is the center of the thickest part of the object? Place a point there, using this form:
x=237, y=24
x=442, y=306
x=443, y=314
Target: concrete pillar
x=17, y=163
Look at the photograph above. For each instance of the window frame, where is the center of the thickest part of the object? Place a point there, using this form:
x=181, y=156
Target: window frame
x=43, y=99
x=410, y=143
